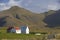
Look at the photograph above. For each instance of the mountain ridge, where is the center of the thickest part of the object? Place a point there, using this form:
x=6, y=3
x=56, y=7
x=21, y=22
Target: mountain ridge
x=17, y=16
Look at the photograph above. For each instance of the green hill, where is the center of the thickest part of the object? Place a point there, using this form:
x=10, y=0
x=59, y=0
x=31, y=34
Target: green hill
x=16, y=16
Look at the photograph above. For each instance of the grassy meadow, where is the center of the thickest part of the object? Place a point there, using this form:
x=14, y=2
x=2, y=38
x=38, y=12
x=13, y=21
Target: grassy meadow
x=13, y=36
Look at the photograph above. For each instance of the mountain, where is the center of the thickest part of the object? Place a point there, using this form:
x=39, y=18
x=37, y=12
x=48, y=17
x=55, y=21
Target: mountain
x=16, y=16
x=53, y=20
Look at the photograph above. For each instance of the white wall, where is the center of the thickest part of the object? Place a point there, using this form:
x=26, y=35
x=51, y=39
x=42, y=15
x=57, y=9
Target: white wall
x=18, y=31
x=27, y=30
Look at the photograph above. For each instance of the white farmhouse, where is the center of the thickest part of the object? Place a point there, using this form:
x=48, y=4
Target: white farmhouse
x=18, y=30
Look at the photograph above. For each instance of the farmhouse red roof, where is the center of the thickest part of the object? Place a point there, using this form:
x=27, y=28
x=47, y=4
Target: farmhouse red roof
x=17, y=28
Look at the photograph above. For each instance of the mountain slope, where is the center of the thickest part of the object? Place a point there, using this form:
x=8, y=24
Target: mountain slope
x=53, y=20
x=16, y=16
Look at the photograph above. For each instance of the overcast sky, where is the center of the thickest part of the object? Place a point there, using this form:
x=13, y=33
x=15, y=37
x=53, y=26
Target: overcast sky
x=33, y=5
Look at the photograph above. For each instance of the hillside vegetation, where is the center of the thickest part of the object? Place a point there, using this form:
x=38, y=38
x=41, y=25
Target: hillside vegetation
x=16, y=16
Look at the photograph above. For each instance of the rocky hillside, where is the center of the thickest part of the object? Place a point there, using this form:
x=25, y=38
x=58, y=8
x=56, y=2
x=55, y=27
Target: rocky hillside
x=16, y=16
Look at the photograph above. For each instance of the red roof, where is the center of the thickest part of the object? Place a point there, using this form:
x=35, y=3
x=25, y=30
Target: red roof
x=17, y=28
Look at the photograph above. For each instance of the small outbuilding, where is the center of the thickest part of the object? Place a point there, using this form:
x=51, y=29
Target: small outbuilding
x=9, y=29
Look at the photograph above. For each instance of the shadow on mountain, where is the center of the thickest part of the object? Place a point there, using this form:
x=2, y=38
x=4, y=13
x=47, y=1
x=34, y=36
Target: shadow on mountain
x=53, y=20
x=2, y=21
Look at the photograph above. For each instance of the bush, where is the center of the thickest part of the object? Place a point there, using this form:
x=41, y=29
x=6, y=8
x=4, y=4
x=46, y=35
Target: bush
x=32, y=32
x=0, y=32
x=44, y=33
x=38, y=32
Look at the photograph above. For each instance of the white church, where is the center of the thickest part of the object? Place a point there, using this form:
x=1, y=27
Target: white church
x=22, y=30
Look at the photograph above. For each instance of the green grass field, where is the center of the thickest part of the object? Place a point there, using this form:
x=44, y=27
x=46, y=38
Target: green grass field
x=20, y=36
x=13, y=36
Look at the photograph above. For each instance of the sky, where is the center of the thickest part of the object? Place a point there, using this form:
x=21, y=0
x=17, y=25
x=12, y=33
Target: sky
x=37, y=6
